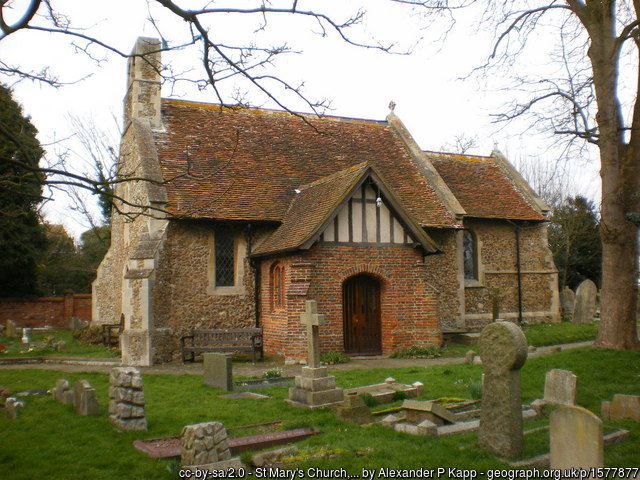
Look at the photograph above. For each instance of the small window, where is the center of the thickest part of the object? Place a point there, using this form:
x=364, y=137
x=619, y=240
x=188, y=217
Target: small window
x=470, y=256
x=277, y=282
x=225, y=258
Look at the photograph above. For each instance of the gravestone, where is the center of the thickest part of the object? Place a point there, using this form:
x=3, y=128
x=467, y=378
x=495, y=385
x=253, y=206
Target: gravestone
x=314, y=388
x=503, y=349
x=11, y=330
x=126, y=399
x=560, y=387
x=417, y=411
x=622, y=407
x=585, y=305
x=218, y=371
x=354, y=409
x=567, y=300
x=62, y=392
x=204, y=445
x=26, y=335
x=12, y=405
x=575, y=439
x=75, y=323
x=85, y=400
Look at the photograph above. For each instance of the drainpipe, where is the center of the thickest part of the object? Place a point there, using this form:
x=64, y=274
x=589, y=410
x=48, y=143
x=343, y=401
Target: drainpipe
x=256, y=276
x=519, y=274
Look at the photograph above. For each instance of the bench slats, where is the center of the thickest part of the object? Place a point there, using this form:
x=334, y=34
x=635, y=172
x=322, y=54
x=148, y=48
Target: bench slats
x=243, y=340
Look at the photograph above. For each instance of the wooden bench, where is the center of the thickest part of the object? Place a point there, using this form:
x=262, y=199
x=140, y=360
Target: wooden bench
x=237, y=340
x=111, y=331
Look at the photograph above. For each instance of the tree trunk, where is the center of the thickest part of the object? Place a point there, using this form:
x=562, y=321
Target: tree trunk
x=619, y=235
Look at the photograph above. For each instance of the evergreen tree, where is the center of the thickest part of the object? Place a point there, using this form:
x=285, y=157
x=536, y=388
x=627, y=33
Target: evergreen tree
x=21, y=235
x=574, y=239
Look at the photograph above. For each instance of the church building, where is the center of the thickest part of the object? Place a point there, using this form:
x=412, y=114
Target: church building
x=234, y=217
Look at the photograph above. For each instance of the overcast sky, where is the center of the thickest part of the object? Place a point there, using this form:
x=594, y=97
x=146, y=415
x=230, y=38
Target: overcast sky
x=431, y=100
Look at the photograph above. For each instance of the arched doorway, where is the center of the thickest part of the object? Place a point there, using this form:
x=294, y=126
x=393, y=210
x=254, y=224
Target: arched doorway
x=361, y=315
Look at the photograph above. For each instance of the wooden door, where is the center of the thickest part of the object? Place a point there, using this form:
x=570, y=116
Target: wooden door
x=361, y=316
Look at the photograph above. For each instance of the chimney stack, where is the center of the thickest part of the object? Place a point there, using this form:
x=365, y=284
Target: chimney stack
x=144, y=83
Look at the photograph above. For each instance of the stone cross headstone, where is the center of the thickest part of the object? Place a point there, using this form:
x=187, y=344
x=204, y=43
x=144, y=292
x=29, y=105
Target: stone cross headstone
x=205, y=445
x=12, y=405
x=11, y=330
x=575, y=439
x=85, y=400
x=585, y=305
x=313, y=320
x=126, y=399
x=503, y=349
x=560, y=387
x=218, y=370
x=314, y=387
x=567, y=300
x=62, y=392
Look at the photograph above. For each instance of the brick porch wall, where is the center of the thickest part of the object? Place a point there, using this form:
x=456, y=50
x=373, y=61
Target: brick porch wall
x=408, y=304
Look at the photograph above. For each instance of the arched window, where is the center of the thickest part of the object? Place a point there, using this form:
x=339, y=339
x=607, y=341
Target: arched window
x=277, y=286
x=470, y=255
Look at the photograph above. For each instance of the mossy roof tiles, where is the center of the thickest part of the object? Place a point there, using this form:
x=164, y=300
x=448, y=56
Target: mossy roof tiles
x=245, y=164
x=482, y=188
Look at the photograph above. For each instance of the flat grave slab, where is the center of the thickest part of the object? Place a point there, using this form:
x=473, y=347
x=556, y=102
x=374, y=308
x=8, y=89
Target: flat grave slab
x=169, y=447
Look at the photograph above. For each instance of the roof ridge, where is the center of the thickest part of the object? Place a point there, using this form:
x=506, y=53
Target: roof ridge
x=458, y=155
x=240, y=108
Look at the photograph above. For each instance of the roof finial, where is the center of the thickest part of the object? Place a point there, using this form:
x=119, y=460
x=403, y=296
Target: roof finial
x=392, y=105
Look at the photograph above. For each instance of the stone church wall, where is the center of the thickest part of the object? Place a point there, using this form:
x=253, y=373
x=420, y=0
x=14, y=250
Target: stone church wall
x=498, y=272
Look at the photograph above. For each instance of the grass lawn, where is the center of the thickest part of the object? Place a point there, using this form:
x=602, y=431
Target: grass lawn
x=538, y=335
x=50, y=441
x=13, y=347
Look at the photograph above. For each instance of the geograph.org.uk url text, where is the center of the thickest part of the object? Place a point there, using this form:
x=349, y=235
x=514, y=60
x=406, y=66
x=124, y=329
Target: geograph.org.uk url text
x=435, y=473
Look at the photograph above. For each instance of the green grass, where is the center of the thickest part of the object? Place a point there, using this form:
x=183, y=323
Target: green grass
x=13, y=347
x=563, y=332
x=50, y=441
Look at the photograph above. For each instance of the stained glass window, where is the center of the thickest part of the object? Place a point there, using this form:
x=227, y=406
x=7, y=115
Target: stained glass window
x=469, y=252
x=225, y=258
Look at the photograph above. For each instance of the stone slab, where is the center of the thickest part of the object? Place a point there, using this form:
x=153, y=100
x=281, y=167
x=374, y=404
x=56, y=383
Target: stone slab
x=218, y=370
x=316, y=384
x=300, y=397
x=585, y=305
x=431, y=407
x=575, y=439
x=624, y=407
x=560, y=387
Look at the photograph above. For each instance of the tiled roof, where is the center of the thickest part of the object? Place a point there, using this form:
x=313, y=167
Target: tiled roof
x=244, y=164
x=311, y=208
x=482, y=188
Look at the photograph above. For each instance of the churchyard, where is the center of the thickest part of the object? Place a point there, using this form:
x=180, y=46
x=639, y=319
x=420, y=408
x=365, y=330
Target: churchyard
x=50, y=440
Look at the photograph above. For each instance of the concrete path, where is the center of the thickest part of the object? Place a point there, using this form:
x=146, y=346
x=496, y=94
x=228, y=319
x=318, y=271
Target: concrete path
x=249, y=370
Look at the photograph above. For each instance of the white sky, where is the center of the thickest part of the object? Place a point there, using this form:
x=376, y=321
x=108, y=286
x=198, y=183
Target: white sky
x=434, y=105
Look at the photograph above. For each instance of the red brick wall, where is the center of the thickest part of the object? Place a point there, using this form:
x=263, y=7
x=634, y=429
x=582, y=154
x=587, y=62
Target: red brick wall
x=52, y=311
x=408, y=305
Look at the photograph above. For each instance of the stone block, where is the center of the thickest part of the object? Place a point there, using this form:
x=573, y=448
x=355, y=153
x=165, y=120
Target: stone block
x=218, y=371
x=315, y=384
x=436, y=412
x=428, y=428
x=625, y=407
x=390, y=420
x=560, y=387
x=311, y=372
x=85, y=400
x=575, y=439
x=315, y=399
